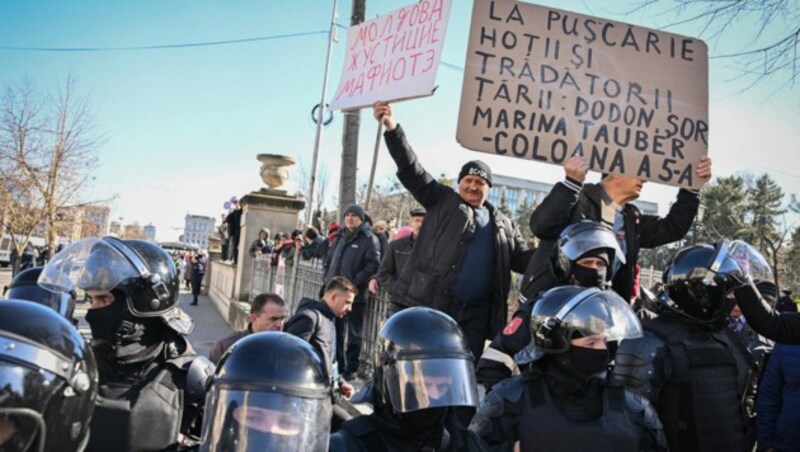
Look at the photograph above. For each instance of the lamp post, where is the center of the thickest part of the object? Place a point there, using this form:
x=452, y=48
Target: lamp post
x=701, y=211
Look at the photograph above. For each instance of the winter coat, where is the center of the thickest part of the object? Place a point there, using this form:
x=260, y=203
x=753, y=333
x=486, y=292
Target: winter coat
x=314, y=322
x=565, y=205
x=778, y=405
x=221, y=346
x=314, y=249
x=430, y=274
x=392, y=263
x=355, y=257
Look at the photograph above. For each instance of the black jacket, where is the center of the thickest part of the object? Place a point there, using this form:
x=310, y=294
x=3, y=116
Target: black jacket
x=783, y=327
x=314, y=322
x=433, y=267
x=564, y=206
x=355, y=257
x=397, y=254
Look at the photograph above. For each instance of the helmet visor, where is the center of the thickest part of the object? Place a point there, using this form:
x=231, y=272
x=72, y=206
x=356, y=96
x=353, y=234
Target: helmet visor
x=89, y=264
x=430, y=383
x=586, y=239
x=244, y=421
x=22, y=391
x=744, y=260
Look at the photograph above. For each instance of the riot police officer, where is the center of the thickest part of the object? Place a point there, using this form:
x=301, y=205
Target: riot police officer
x=25, y=286
x=561, y=401
x=697, y=374
x=270, y=393
x=585, y=255
x=48, y=380
x=423, y=377
x=151, y=392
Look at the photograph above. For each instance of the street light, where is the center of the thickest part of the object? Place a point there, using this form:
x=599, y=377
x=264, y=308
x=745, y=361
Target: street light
x=701, y=211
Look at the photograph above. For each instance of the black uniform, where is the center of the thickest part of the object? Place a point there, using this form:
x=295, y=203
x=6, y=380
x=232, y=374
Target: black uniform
x=544, y=413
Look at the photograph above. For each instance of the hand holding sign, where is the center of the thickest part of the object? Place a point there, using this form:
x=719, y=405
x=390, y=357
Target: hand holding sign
x=382, y=111
x=576, y=168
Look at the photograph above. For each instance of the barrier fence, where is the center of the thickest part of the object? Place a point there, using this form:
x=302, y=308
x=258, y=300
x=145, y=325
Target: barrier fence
x=304, y=279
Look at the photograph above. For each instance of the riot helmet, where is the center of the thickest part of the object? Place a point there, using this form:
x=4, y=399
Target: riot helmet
x=699, y=277
x=586, y=238
x=140, y=273
x=25, y=287
x=569, y=312
x=48, y=380
x=269, y=392
x=423, y=362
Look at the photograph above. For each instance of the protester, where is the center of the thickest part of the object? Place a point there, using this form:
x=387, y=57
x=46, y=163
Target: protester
x=759, y=346
x=466, y=249
x=187, y=274
x=354, y=255
x=267, y=313
x=278, y=401
x=313, y=244
x=422, y=383
x=608, y=202
x=693, y=370
x=584, y=256
x=151, y=381
x=198, y=273
x=397, y=254
x=234, y=220
x=261, y=245
x=563, y=401
x=380, y=231
x=333, y=231
x=314, y=322
x=48, y=380
x=779, y=401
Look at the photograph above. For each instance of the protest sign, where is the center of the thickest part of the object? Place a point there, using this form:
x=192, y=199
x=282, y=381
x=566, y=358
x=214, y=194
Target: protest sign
x=393, y=57
x=543, y=84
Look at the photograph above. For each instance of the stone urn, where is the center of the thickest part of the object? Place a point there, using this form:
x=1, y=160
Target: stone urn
x=273, y=169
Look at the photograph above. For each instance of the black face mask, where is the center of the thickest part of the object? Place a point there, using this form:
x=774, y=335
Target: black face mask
x=589, y=277
x=422, y=421
x=104, y=322
x=588, y=361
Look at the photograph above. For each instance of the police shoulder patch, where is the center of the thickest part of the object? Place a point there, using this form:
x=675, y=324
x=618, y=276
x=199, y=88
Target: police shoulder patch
x=512, y=326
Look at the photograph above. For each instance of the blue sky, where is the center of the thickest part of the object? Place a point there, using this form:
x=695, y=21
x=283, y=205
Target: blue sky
x=183, y=126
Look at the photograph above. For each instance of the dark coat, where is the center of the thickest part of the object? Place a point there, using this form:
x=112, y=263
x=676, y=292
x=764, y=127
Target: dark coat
x=397, y=254
x=564, y=206
x=355, y=257
x=314, y=250
x=779, y=401
x=314, y=322
x=221, y=346
x=433, y=267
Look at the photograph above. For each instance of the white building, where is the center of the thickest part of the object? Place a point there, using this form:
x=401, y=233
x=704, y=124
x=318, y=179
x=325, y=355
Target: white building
x=196, y=230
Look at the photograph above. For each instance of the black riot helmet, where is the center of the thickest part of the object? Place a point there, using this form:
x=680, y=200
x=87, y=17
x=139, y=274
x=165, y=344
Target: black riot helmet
x=423, y=362
x=582, y=239
x=569, y=312
x=138, y=272
x=48, y=380
x=699, y=277
x=269, y=392
x=25, y=287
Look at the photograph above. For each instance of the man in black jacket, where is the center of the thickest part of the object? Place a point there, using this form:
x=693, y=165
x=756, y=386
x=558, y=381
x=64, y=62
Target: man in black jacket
x=354, y=255
x=397, y=254
x=314, y=322
x=466, y=249
x=609, y=202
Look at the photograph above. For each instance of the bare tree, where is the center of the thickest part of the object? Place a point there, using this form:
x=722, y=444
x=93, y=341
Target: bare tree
x=772, y=52
x=47, y=156
x=322, y=185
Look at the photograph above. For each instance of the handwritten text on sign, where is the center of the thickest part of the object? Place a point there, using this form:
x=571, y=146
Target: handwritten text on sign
x=393, y=57
x=544, y=84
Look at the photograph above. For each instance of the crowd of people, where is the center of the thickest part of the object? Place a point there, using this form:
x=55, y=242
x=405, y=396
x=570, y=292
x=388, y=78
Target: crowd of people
x=589, y=360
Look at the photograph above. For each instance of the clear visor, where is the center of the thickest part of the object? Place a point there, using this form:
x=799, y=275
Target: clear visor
x=261, y=421
x=89, y=264
x=430, y=383
x=576, y=245
x=21, y=423
x=745, y=260
x=611, y=318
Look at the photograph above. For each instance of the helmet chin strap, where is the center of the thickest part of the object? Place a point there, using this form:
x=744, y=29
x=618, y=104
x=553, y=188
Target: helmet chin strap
x=40, y=433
